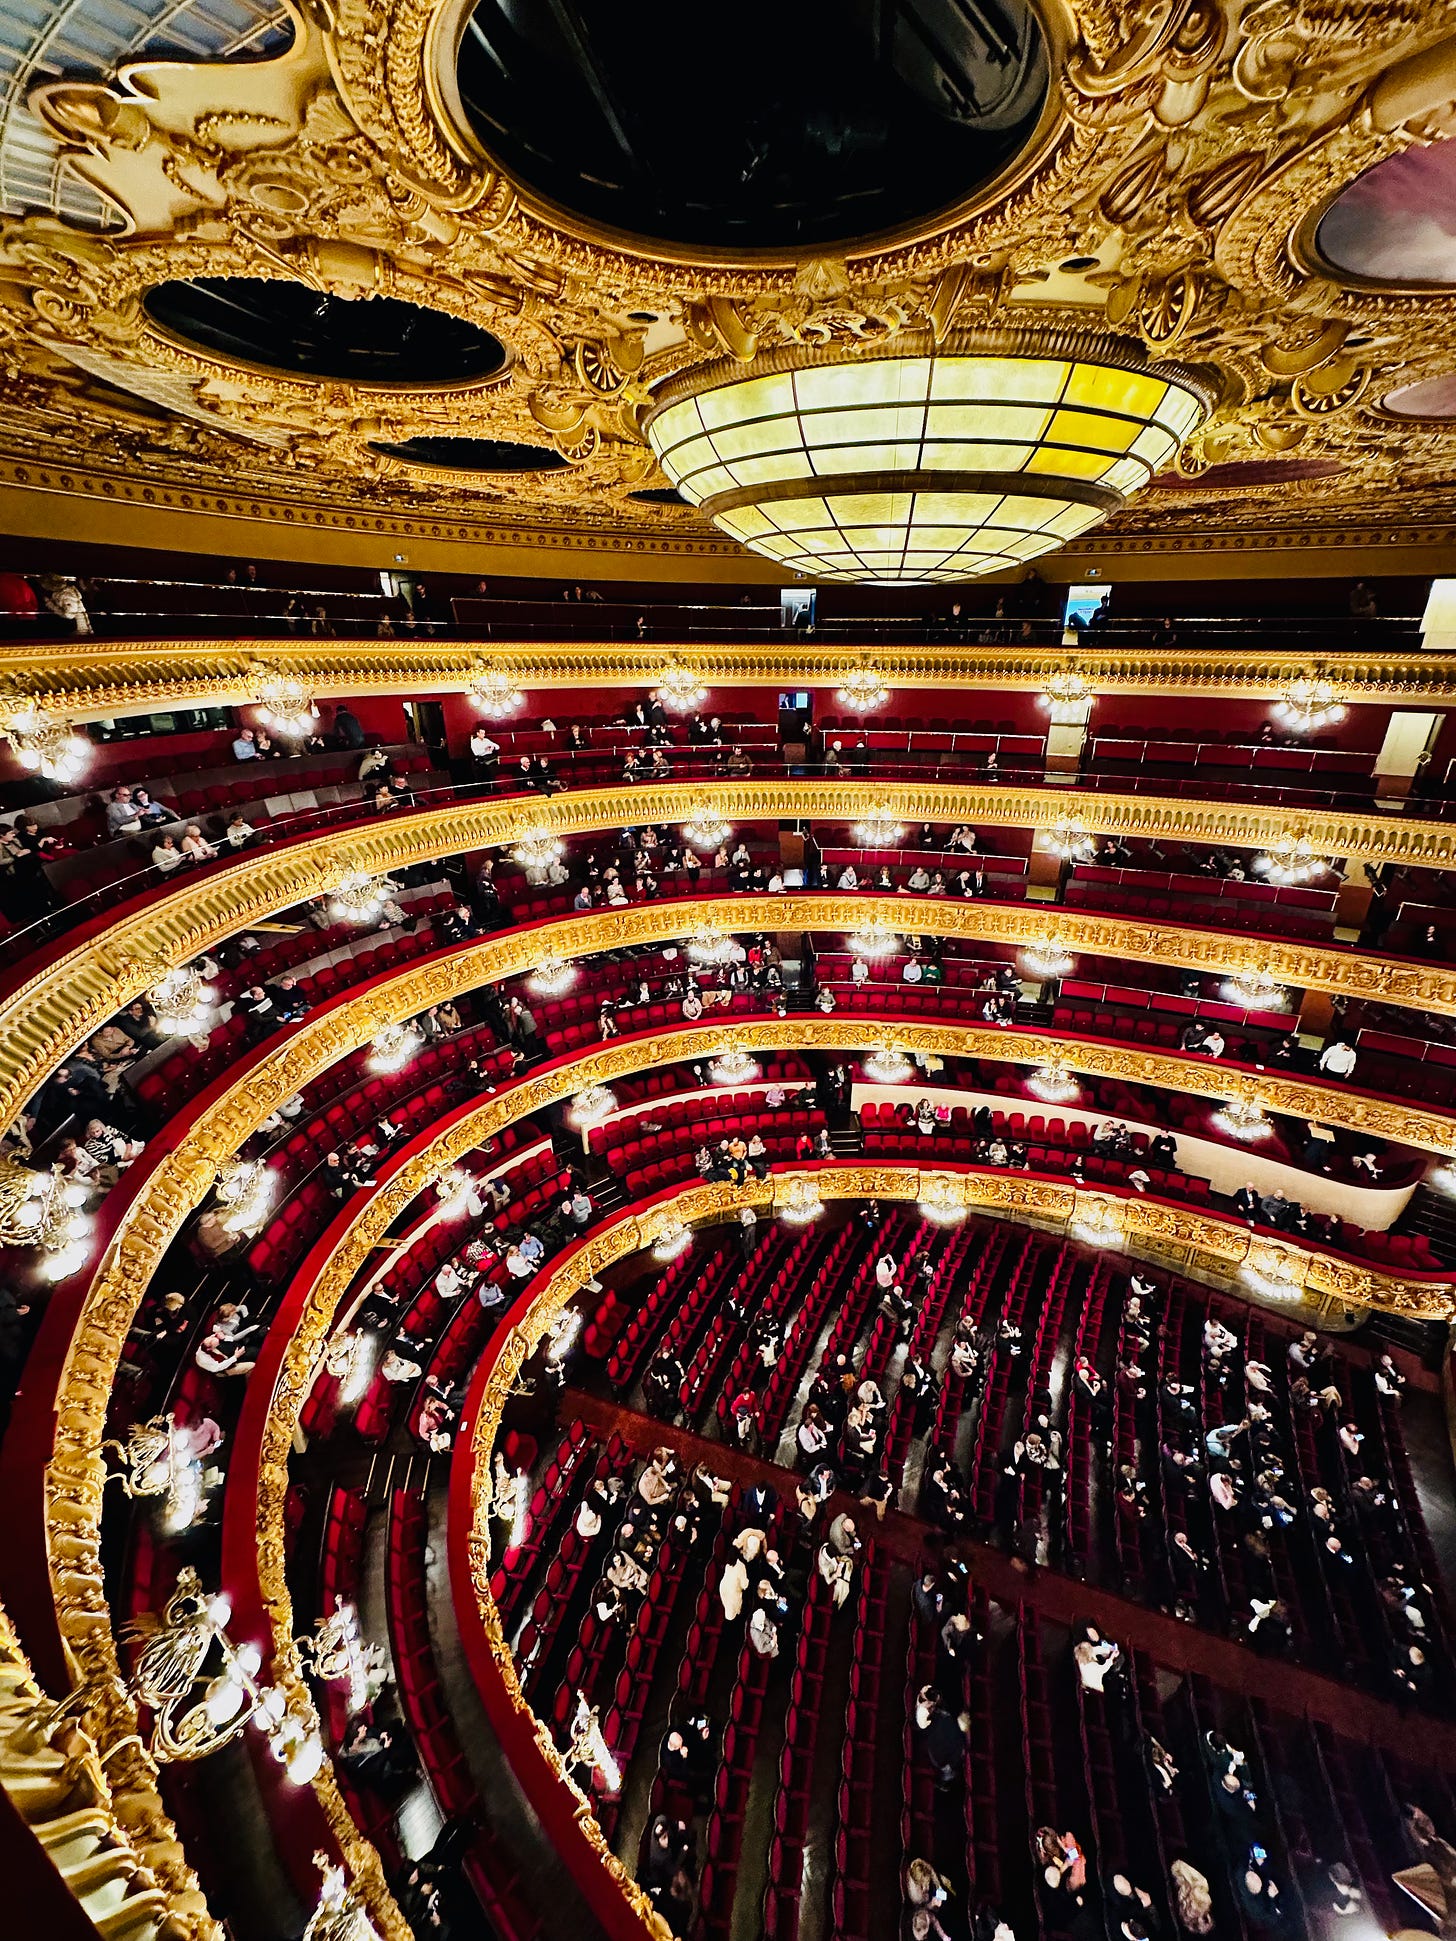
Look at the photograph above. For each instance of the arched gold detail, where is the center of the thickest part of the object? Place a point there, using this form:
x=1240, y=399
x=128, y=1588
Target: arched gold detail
x=111, y=677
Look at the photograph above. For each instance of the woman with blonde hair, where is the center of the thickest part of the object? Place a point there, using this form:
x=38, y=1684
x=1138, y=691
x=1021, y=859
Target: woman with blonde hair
x=1191, y=1898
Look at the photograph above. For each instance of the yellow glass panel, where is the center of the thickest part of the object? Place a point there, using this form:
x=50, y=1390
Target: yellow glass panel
x=1021, y=379
x=712, y=480
x=755, y=397
x=884, y=380
x=1069, y=465
x=1127, y=475
x=956, y=508
x=1155, y=445
x=793, y=515
x=748, y=441
x=744, y=522
x=679, y=460
x=1180, y=411
x=1107, y=389
x=1091, y=432
x=989, y=457
x=870, y=508
x=867, y=458
x=1027, y=512
x=878, y=424
x=1023, y=423
x=771, y=469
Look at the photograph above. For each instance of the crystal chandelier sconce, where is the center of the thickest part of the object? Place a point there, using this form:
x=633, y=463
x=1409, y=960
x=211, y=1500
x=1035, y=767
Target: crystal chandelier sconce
x=202, y=1690
x=1049, y=959
x=1307, y=705
x=340, y=1914
x=1099, y=1225
x=1068, y=699
x=1072, y=842
x=360, y=897
x=590, y=1107
x=733, y=1066
x=799, y=1201
x=1255, y=990
x=942, y=1198
x=183, y=1003
x=538, y=849
x=47, y=745
x=672, y=1242
x=393, y=1047
x=244, y=1191
x=929, y=461
x=164, y=1458
x=681, y=689
x=862, y=691
x=1274, y=1281
x=878, y=828
x=706, y=829
x=336, y=1652
x=552, y=976
x=711, y=947
x=455, y=1189
x=888, y=1066
x=287, y=707
x=1243, y=1119
x=44, y=1210
x=874, y=940
x=493, y=693
x=1053, y=1083
x=1290, y=860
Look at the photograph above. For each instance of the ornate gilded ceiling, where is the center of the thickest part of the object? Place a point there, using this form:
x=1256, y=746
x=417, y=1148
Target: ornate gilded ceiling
x=1170, y=190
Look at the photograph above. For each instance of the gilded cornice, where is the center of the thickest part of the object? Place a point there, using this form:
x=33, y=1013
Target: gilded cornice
x=1169, y=194
x=93, y=679
x=181, y=1180
x=52, y=1012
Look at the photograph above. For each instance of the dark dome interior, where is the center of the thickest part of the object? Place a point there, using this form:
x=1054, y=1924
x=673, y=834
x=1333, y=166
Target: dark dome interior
x=475, y=454
x=821, y=124
x=287, y=326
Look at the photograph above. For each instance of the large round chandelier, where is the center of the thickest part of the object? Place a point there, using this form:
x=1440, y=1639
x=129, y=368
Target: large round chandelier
x=923, y=461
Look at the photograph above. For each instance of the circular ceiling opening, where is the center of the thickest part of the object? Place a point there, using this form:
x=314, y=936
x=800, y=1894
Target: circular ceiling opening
x=1394, y=224
x=474, y=455
x=1431, y=397
x=286, y=326
x=819, y=122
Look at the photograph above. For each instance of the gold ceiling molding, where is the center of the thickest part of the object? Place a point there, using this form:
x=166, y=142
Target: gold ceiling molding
x=1183, y=156
x=95, y=679
x=54, y=1010
x=182, y=1179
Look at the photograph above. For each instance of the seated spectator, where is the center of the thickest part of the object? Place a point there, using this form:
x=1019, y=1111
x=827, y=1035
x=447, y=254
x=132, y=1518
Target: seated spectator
x=166, y=856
